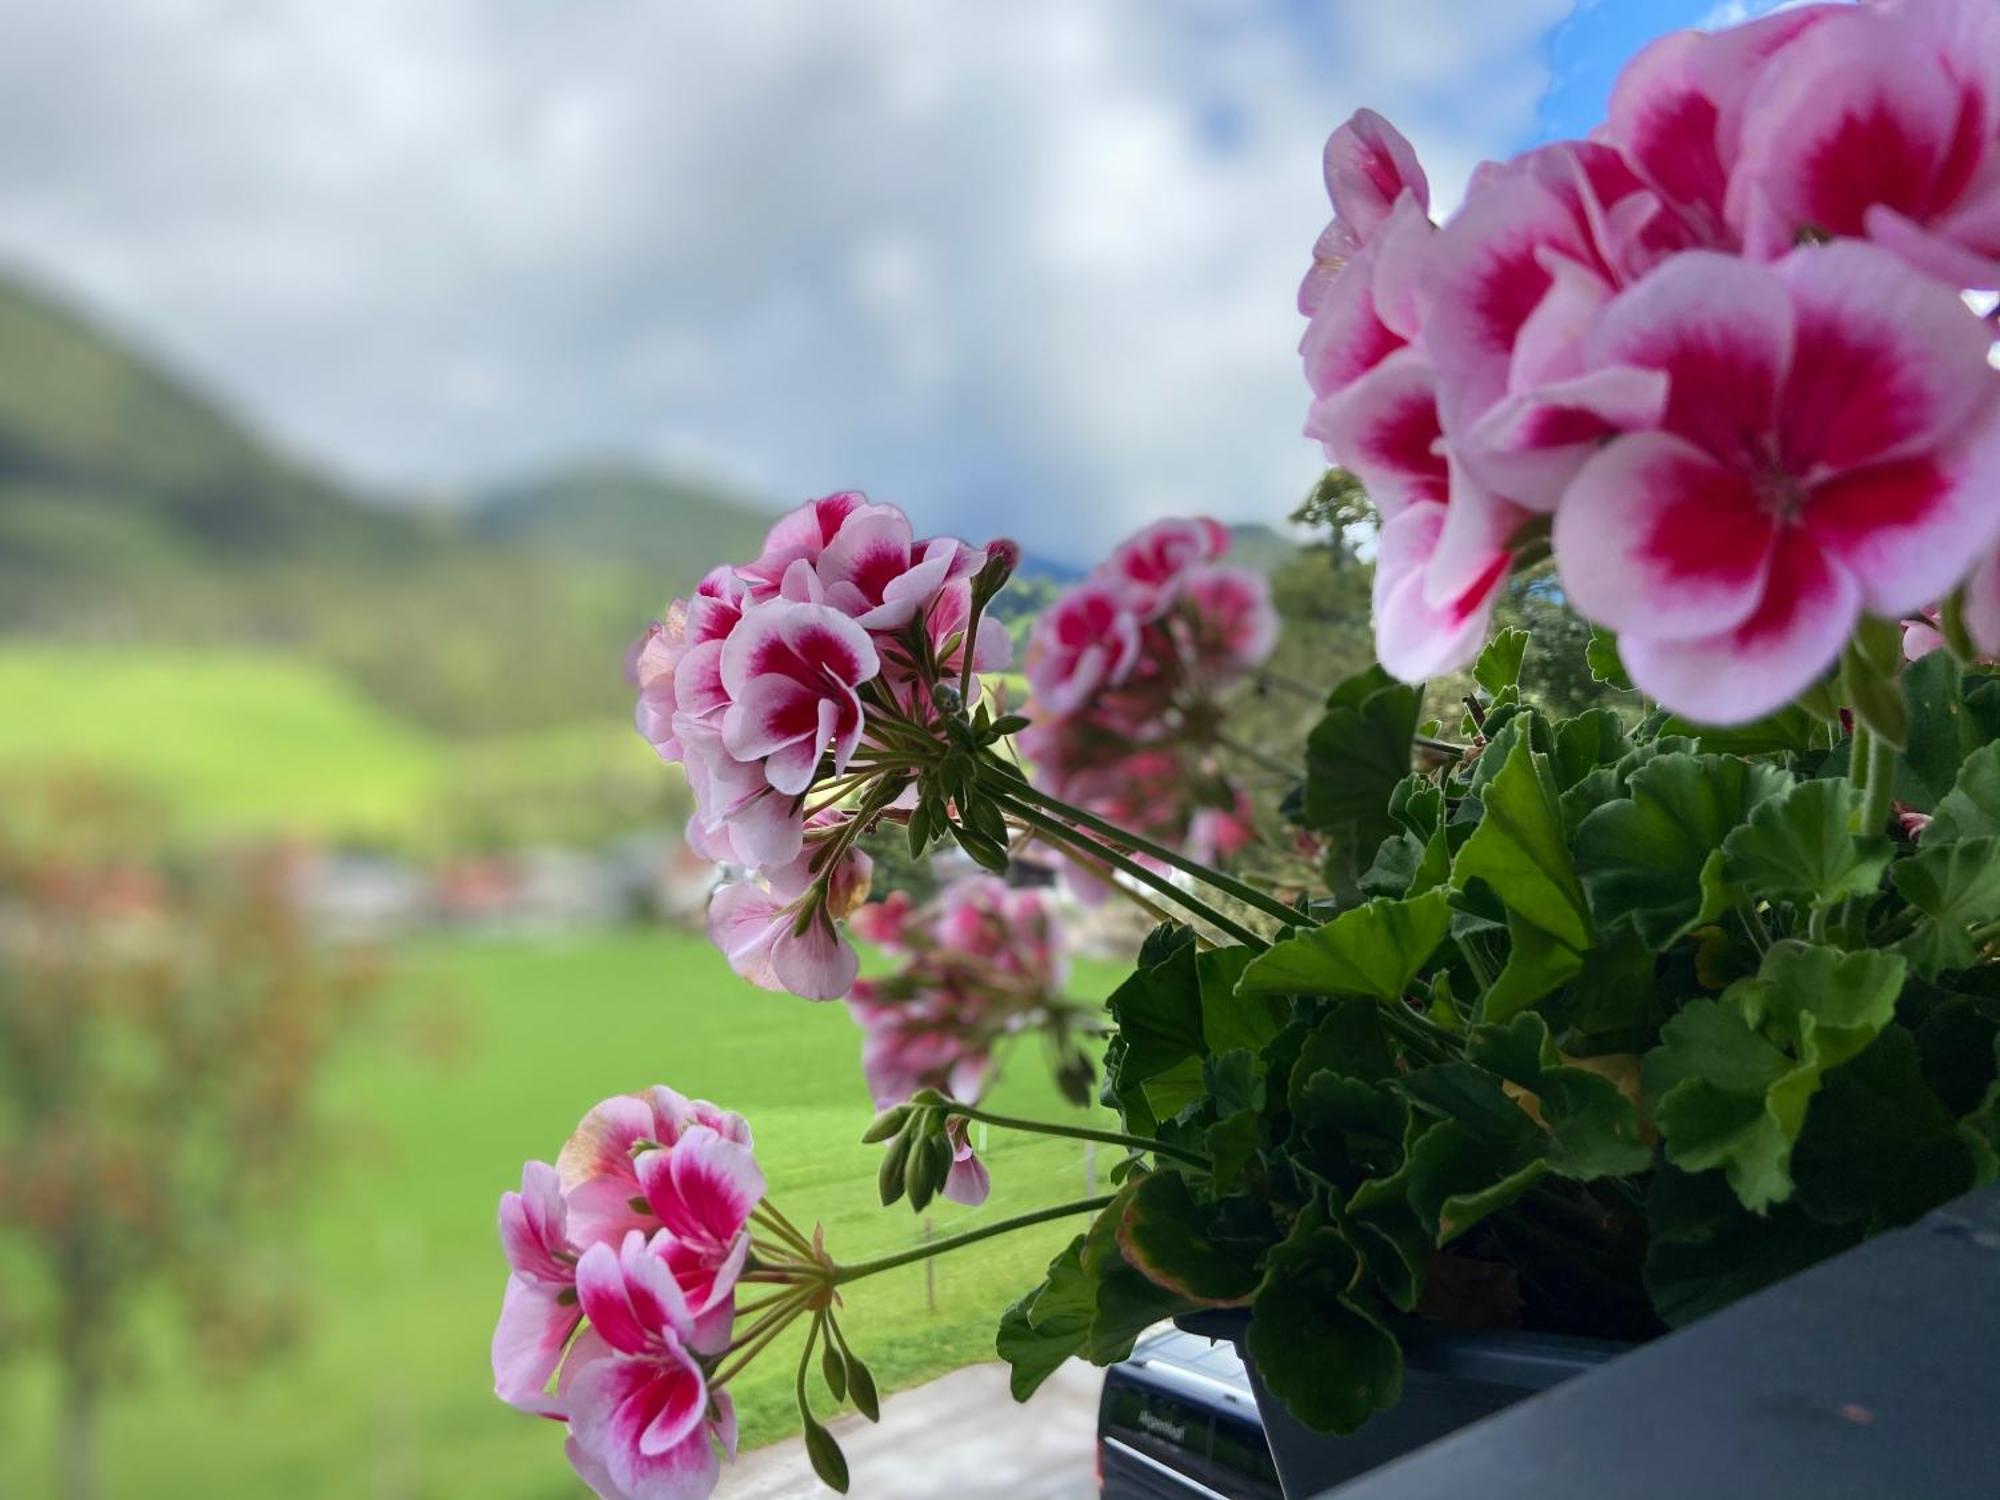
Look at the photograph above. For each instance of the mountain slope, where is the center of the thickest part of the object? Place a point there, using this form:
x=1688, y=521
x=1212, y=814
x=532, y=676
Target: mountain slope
x=107, y=455
x=674, y=529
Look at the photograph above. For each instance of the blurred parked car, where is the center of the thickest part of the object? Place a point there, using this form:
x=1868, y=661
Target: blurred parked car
x=1177, y=1419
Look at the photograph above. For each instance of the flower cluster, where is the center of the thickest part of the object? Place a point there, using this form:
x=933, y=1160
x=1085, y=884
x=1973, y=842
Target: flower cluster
x=804, y=691
x=979, y=964
x=625, y=1258
x=1717, y=356
x=1129, y=671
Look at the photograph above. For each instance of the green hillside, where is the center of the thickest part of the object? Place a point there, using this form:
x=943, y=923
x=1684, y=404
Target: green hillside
x=105, y=454
x=672, y=528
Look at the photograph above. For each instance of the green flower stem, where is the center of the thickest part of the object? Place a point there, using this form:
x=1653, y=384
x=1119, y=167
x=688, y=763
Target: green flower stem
x=1874, y=759
x=1076, y=1133
x=751, y=1350
x=1417, y=1031
x=844, y=1274
x=1067, y=838
x=1249, y=895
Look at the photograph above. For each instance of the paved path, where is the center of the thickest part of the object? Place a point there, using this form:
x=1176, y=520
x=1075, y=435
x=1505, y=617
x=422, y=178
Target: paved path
x=961, y=1436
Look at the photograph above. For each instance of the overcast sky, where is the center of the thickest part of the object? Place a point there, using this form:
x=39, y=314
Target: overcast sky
x=1017, y=265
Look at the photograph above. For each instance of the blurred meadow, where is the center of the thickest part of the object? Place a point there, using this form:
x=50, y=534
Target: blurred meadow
x=422, y=716
x=390, y=1396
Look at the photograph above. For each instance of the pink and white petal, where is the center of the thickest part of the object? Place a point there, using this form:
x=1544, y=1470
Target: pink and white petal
x=1889, y=364
x=1722, y=331
x=1905, y=530
x=1655, y=535
x=1486, y=273
x=1982, y=604
x=655, y=1292
x=793, y=767
x=771, y=712
x=1808, y=611
x=967, y=1182
x=1666, y=123
x=827, y=643
x=601, y=1145
x=916, y=586
x=536, y=1320
x=1549, y=346
x=704, y=1189
x=801, y=584
x=1412, y=640
x=1850, y=115
x=722, y=1426
x=1346, y=337
x=1401, y=248
x=1384, y=428
x=1369, y=165
x=1967, y=256
x=817, y=964
x=743, y=922
x=1471, y=548
x=768, y=828
x=1529, y=447
x=602, y=1293
x=1920, y=640
x=533, y=1231
x=697, y=681
x=601, y=1212
x=621, y=1410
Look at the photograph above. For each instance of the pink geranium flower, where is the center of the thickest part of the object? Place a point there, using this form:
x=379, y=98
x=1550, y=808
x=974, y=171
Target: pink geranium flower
x=874, y=572
x=1369, y=167
x=596, y=1168
x=643, y=1423
x=1881, y=122
x=780, y=934
x=702, y=1189
x=1824, y=448
x=800, y=536
x=539, y=1312
x=967, y=1183
x=1148, y=566
x=1086, y=640
x=791, y=671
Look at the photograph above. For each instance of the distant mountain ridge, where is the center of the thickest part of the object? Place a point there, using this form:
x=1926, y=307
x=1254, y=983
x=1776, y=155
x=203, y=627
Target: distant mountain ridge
x=107, y=456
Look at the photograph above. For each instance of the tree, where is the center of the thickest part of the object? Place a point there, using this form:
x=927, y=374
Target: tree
x=162, y=1022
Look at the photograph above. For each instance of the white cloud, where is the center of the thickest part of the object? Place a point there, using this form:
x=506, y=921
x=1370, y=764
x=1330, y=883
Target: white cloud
x=1024, y=267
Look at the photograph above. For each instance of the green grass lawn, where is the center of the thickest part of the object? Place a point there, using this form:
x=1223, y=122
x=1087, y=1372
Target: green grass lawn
x=391, y=1398
x=248, y=742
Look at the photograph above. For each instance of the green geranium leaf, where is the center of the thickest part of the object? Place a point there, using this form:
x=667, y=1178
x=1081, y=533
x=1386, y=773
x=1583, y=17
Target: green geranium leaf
x=1355, y=756
x=1499, y=664
x=1232, y=1143
x=1732, y=1078
x=1705, y=1250
x=1954, y=885
x=1170, y=1238
x=1881, y=1149
x=1800, y=846
x=1971, y=809
x=1127, y=1301
x=1593, y=739
x=1537, y=963
x=1593, y=1126
x=1351, y=1041
x=1374, y=950
x=1227, y=1020
x=1049, y=1325
x=1520, y=851
x=1344, y=1129
x=1159, y=1015
x=1654, y=860
x=1322, y=1354
x=1601, y=656
x=1942, y=731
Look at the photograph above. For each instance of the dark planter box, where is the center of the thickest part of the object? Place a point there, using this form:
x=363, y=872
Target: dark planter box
x=1451, y=1379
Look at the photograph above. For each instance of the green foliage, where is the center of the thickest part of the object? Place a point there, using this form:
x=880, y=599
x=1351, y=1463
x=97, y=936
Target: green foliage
x=1630, y=1018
